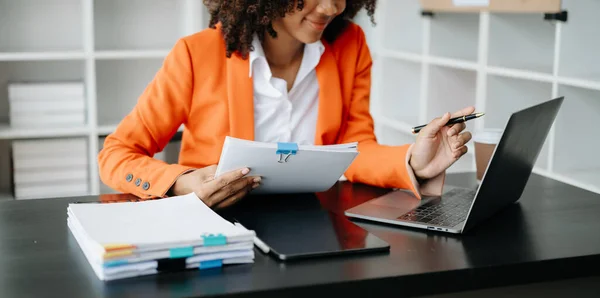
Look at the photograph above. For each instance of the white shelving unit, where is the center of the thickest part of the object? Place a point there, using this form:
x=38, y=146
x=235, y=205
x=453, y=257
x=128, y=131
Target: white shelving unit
x=114, y=46
x=425, y=65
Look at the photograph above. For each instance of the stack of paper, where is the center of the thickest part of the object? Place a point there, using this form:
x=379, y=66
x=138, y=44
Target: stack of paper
x=288, y=167
x=49, y=168
x=40, y=105
x=130, y=239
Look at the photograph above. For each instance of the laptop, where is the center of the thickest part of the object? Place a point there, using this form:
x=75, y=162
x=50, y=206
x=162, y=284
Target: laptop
x=458, y=209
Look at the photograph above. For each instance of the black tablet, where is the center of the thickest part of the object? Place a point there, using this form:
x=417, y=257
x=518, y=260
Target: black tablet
x=294, y=234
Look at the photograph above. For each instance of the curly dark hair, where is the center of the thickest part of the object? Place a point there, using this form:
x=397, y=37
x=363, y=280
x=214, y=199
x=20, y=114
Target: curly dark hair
x=240, y=19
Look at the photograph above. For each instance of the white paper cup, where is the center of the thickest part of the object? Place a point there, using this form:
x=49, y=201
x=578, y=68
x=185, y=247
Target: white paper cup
x=485, y=142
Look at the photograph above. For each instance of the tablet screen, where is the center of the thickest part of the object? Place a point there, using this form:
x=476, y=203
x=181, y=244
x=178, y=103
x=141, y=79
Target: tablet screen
x=292, y=233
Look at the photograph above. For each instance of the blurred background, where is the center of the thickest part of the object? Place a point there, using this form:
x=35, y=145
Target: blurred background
x=71, y=69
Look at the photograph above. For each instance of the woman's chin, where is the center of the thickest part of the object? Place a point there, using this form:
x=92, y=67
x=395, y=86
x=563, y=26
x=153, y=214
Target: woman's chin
x=309, y=36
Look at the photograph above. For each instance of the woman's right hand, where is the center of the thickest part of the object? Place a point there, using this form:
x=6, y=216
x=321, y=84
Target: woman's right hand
x=218, y=192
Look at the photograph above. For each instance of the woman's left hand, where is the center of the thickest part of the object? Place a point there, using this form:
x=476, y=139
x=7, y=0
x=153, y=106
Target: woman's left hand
x=438, y=146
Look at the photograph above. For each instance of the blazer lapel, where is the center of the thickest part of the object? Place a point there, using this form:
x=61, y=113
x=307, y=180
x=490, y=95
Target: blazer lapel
x=330, y=99
x=240, y=96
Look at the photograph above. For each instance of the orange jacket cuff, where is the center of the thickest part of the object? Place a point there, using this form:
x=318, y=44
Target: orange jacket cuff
x=166, y=180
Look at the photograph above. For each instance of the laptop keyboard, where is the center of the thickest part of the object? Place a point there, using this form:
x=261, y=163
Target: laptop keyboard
x=449, y=211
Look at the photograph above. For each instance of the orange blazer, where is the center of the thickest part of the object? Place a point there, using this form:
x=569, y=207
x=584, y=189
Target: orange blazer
x=198, y=86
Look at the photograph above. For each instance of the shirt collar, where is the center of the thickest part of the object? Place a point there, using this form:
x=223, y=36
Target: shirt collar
x=257, y=53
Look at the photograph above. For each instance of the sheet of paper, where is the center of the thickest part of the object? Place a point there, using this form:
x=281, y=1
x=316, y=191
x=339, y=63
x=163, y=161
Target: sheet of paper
x=172, y=220
x=310, y=169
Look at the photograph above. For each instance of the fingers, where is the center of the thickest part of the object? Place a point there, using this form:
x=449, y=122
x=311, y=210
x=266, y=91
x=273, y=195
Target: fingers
x=457, y=145
x=231, y=189
x=460, y=152
x=461, y=140
x=456, y=129
x=225, y=179
x=236, y=197
x=435, y=125
x=465, y=111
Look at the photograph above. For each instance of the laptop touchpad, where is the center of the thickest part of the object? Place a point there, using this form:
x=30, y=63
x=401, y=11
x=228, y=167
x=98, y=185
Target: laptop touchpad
x=398, y=199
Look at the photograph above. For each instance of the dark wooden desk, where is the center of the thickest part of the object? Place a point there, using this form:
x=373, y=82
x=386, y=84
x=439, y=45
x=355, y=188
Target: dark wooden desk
x=552, y=233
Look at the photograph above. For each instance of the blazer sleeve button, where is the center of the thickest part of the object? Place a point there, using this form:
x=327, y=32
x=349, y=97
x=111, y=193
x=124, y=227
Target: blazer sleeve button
x=146, y=186
x=138, y=181
x=129, y=177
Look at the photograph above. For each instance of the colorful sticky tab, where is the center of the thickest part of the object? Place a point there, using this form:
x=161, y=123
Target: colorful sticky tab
x=213, y=240
x=181, y=252
x=210, y=264
x=286, y=148
x=117, y=253
x=115, y=263
x=117, y=246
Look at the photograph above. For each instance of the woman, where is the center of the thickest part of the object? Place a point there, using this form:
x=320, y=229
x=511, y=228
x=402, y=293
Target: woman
x=295, y=71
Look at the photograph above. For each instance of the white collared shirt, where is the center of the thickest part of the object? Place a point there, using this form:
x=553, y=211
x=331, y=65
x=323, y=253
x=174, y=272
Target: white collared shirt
x=280, y=116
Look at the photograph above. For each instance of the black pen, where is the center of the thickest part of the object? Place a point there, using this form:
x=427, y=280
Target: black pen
x=454, y=120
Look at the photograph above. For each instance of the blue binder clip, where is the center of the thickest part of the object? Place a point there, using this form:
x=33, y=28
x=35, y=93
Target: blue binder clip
x=286, y=149
x=214, y=240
